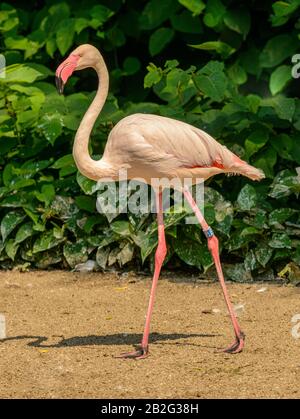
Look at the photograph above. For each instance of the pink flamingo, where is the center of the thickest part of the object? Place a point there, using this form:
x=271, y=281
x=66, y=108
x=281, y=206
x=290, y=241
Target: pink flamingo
x=151, y=146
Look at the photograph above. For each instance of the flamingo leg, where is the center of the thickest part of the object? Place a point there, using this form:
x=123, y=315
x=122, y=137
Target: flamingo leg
x=142, y=351
x=213, y=245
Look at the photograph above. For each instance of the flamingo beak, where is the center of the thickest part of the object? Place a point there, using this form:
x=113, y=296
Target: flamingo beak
x=64, y=71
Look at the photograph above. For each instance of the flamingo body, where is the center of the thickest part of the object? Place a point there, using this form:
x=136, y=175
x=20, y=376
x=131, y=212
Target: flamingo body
x=151, y=146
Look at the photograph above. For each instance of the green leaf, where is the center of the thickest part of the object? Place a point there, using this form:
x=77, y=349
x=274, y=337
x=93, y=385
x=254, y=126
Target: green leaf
x=65, y=34
x=25, y=231
x=214, y=13
x=64, y=161
x=220, y=47
x=20, y=184
x=176, y=84
x=87, y=185
x=153, y=77
x=116, y=36
x=250, y=261
x=113, y=256
x=100, y=14
x=8, y=19
x=247, y=198
x=160, y=39
x=75, y=253
x=266, y=160
x=284, y=106
x=14, y=201
x=64, y=207
x=212, y=81
x=51, y=126
x=46, y=259
x=195, y=6
x=281, y=254
x=35, y=218
x=18, y=42
x=237, y=73
x=284, y=145
x=19, y=73
x=277, y=49
x=189, y=251
x=283, y=10
x=126, y=254
x=102, y=257
x=86, y=203
x=249, y=60
x=253, y=102
x=71, y=121
x=122, y=228
x=155, y=13
x=279, y=79
x=11, y=248
x=131, y=65
x=37, y=97
x=9, y=222
x=263, y=254
x=258, y=219
x=8, y=174
x=256, y=141
x=285, y=183
x=238, y=273
x=80, y=24
x=60, y=11
x=46, y=241
x=206, y=259
x=280, y=215
x=91, y=222
x=51, y=47
x=186, y=23
x=280, y=241
x=221, y=210
x=147, y=243
x=249, y=231
x=46, y=195
x=103, y=242
x=238, y=20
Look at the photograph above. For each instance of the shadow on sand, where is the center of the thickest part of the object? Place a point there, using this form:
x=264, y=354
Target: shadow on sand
x=114, y=339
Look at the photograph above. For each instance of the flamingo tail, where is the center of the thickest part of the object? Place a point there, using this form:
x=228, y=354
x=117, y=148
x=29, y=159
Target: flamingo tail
x=243, y=168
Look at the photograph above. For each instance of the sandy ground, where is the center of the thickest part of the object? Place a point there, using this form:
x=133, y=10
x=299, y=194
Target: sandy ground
x=63, y=330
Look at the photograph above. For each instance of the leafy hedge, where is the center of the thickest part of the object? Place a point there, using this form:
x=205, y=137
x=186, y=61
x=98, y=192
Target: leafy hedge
x=224, y=66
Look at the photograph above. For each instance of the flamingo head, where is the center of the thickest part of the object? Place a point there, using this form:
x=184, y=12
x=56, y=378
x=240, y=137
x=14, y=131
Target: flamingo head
x=82, y=57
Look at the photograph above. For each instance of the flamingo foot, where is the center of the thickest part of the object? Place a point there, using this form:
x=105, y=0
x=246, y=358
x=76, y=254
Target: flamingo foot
x=140, y=353
x=237, y=346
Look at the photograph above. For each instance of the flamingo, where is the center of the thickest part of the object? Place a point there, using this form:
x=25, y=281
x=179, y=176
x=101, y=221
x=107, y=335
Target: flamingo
x=151, y=146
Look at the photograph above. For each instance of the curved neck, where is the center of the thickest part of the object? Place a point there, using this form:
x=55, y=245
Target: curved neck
x=89, y=167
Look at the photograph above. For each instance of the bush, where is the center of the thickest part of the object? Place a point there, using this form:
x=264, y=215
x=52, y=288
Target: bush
x=219, y=65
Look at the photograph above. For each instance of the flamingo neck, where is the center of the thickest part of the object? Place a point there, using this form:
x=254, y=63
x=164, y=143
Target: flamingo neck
x=93, y=169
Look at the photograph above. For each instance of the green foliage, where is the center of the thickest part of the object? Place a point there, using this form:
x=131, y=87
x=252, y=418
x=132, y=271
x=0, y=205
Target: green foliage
x=220, y=65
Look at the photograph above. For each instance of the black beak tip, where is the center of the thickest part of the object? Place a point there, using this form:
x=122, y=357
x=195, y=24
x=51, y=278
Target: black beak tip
x=59, y=85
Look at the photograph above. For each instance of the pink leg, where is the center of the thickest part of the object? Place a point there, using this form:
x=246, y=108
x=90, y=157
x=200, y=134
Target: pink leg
x=213, y=245
x=161, y=251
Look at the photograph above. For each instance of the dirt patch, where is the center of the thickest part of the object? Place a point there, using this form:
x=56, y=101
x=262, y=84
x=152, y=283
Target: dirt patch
x=63, y=330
